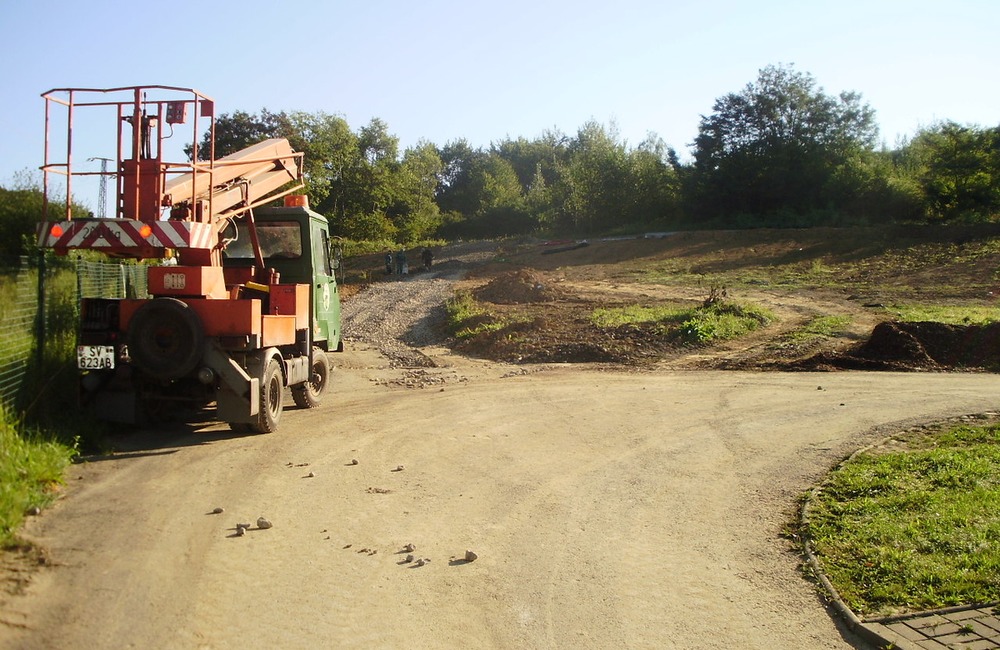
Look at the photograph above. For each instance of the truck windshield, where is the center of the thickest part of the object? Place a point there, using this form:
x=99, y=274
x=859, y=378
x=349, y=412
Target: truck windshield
x=281, y=239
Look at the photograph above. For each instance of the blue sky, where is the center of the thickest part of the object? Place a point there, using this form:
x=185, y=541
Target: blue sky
x=440, y=70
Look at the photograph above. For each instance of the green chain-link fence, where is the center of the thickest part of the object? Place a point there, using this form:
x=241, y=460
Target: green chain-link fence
x=22, y=323
x=100, y=280
x=18, y=318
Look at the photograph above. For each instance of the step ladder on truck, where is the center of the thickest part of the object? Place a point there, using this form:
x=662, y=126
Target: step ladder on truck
x=243, y=297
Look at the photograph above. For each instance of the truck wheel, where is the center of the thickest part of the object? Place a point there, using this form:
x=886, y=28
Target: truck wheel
x=309, y=394
x=165, y=338
x=271, y=388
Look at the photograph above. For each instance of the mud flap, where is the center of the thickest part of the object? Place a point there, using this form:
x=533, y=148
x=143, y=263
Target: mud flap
x=238, y=397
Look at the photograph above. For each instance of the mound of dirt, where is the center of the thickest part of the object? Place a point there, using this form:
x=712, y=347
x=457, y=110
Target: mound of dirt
x=919, y=346
x=541, y=341
x=518, y=287
x=950, y=346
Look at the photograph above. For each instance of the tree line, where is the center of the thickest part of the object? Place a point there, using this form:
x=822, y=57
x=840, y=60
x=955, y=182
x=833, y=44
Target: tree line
x=780, y=152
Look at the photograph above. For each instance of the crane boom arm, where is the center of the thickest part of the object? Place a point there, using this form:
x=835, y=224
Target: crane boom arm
x=244, y=178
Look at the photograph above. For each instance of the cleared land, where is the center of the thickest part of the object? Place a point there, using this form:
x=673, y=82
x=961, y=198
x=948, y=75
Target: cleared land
x=634, y=502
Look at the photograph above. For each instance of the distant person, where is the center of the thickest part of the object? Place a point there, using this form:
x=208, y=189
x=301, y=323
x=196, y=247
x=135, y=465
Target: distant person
x=402, y=267
x=428, y=257
x=388, y=263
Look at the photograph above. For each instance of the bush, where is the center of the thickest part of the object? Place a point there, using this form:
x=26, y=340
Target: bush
x=467, y=318
x=722, y=320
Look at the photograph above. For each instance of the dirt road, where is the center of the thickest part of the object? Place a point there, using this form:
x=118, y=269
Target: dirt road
x=639, y=509
x=607, y=510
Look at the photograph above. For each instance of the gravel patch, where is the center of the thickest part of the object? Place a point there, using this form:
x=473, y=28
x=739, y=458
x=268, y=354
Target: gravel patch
x=399, y=316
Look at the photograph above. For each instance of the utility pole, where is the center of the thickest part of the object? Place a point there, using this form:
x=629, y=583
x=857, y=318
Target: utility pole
x=102, y=196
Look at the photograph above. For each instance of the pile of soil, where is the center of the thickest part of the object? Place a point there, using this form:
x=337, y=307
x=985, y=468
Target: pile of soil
x=518, y=287
x=919, y=346
x=531, y=343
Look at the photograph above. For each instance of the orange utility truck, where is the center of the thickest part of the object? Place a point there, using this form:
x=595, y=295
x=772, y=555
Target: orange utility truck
x=242, y=296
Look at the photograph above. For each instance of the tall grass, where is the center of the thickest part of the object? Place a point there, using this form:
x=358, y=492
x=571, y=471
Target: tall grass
x=16, y=325
x=49, y=398
x=31, y=467
x=950, y=314
x=467, y=318
x=39, y=429
x=818, y=328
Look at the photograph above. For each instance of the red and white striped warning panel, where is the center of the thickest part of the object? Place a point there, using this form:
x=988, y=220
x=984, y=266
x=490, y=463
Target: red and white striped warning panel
x=125, y=233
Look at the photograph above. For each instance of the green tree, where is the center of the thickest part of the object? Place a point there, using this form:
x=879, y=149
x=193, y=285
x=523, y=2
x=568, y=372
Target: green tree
x=596, y=180
x=540, y=165
x=369, y=181
x=370, y=226
x=20, y=212
x=356, y=179
x=547, y=153
x=457, y=191
x=654, y=184
x=771, y=148
x=238, y=130
x=502, y=209
x=330, y=151
x=416, y=214
x=958, y=171
x=539, y=199
x=872, y=189
x=480, y=193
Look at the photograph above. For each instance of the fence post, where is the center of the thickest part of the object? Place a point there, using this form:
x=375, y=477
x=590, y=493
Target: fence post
x=40, y=317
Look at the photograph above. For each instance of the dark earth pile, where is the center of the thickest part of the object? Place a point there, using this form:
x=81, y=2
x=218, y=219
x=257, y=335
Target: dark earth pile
x=919, y=346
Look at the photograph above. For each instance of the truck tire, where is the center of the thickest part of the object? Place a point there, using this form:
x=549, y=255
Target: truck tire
x=165, y=338
x=272, y=387
x=309, y=394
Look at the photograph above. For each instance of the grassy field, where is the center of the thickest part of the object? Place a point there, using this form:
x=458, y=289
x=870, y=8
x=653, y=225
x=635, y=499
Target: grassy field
x=914, y=525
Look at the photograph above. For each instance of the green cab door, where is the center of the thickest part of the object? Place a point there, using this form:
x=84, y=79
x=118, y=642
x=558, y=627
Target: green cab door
x=326, y=298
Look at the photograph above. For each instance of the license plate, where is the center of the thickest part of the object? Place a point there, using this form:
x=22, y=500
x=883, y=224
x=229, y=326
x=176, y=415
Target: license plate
x=95, y=357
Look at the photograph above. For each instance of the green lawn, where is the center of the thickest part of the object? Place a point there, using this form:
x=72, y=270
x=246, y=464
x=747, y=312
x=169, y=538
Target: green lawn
x=915, y=528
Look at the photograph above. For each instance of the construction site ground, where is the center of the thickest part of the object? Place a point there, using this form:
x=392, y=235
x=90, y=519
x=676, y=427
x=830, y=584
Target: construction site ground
x=562, y=486
x=548, y=292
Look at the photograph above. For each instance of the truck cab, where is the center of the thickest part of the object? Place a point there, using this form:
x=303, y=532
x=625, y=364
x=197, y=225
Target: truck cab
x=295, y=243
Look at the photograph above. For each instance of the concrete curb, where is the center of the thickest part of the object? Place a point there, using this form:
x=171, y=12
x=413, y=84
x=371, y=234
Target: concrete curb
x=854, y=624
